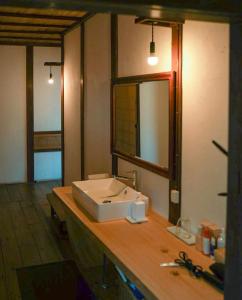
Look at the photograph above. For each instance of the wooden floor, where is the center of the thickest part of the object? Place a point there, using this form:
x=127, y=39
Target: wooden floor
x=26, y=237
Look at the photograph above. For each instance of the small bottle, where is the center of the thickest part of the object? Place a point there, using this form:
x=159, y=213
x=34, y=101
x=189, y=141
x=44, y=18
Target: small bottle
x=199, y=238
x=221, y=239
x=212, y=246
x=206, y=241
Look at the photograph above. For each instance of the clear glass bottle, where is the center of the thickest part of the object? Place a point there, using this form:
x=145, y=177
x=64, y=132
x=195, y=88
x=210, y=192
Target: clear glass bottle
x=199, y=238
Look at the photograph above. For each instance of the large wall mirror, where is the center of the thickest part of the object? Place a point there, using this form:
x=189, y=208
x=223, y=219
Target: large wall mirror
x=142, y=120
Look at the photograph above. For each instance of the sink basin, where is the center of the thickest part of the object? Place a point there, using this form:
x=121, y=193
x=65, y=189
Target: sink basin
x=106, y=199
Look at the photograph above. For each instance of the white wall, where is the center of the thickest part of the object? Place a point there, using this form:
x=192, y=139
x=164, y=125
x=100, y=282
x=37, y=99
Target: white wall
x=72, y=106
x=47, y=97
x=13, y=163
x=47, y=109
x=97, y=95
x=134, y=46
x=205, y=118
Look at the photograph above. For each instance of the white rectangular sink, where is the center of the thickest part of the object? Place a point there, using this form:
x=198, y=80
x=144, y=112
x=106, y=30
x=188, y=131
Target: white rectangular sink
x=106, y=199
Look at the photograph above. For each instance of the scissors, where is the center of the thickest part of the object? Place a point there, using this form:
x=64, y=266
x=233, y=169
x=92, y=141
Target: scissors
x=186, y=262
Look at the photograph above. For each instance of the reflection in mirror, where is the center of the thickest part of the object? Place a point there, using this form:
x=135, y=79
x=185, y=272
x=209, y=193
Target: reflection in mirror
x=126, y=119
x=141, y=121
x=154, y=122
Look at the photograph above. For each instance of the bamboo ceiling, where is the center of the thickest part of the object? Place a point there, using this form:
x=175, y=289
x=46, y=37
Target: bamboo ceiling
x=31, y=26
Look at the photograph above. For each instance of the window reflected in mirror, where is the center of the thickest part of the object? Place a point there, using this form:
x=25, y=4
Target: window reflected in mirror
x=141, y=121
x=126, y=119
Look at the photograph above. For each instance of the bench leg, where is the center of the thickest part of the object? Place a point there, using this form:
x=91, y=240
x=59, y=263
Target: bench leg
x=52, y=212
x=62, y=228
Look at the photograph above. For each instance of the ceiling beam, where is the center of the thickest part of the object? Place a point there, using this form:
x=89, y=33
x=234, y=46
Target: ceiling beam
x=83, y=19
x=31, y=43
x=205, y=10
x=38, y=16
x=30, y=31
x=34, y=25
x=30, y=38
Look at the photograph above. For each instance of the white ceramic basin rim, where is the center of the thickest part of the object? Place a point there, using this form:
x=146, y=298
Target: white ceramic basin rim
x=106, y=199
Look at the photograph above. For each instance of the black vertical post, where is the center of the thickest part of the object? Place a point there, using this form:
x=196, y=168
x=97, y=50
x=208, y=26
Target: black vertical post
x=30, y=113
x=114, y=74
x=233, y=270
x=176, y=128
x=82, y=98
x=62, y=114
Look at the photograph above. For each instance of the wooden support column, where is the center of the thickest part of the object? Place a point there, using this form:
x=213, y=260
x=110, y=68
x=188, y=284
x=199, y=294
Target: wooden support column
x=29, y=113
x=62, y=114
x=82, y=97
x=114, y=75
x=176, y=143
x=233, y=272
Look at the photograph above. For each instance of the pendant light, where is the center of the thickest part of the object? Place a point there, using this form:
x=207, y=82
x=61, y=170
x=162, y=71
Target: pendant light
x=152, y=59
x=51, y=79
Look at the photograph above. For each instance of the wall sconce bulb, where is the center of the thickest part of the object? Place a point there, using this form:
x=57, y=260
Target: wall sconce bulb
x=51, y=80
x=152, y=59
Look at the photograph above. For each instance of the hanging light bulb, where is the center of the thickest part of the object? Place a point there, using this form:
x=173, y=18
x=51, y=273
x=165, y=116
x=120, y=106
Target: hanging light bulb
x=152, y=59
x=51, y=79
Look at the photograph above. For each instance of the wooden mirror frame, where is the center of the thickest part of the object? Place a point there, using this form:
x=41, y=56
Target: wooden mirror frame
x=174, y=174
x=170, y=76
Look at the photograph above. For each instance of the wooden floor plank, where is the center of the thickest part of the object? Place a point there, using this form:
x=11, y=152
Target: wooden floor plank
x=27, y=192
x=28, y=248
x=43, y=189
x=48, y=250
x=3, y=287
x=12, y=260
x=28, y=236
x=13, y=192
x=31, y=192
x=30, y=212
x=4, y=197
x=3, y=290
x=44, y=205
x=6, y=227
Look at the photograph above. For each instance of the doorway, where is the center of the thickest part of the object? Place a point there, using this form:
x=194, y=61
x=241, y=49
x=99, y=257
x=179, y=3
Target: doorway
x=45, y=125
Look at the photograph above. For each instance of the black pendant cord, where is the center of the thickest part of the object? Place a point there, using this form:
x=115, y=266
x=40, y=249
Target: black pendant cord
x=152, y=32
x=152, y=43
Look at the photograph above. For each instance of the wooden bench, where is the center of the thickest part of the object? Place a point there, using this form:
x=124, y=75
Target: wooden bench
x=57, y=211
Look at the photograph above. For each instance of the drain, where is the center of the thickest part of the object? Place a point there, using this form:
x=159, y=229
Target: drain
x=107, y=201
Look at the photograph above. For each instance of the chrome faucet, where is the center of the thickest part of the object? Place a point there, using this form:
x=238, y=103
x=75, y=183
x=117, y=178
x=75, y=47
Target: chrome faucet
x=133, y=178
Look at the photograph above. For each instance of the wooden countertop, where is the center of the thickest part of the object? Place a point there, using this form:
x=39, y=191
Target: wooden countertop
x=140, y=248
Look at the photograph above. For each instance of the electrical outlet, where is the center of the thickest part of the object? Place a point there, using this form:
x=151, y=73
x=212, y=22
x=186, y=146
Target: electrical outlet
x=175, y=196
